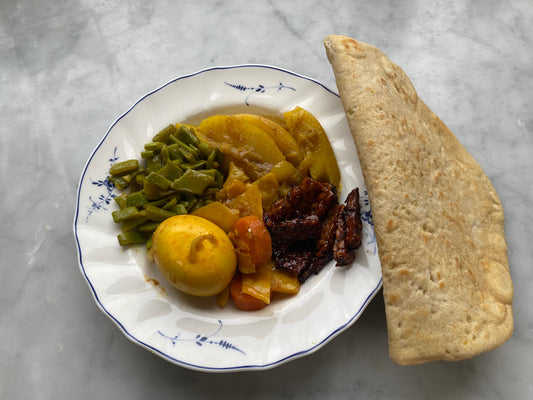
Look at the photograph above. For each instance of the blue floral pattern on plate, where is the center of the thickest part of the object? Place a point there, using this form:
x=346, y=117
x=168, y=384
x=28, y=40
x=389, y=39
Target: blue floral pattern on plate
x=103, y=200
x=200, y=340
x=259, y=89
x=368, y=221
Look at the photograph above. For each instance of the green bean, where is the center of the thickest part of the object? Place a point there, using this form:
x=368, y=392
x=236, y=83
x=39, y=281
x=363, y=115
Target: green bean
x=130, y=237
x=151, y=191
x=124, y=167
x=173, y=170
x=188, y=153
x=158, y=180
x=195, y=165
x=164, y=134
x=133, y=222
x=174, y=152
x=171, y=203
x=158, y=214
x=210, y=162
x=154, y=146
x=134, y=186
x=204, y=149
x=219, y=179
x=164, y=154
x=147, y=154
x=180, y=208
x=197, y=204
x=163, y=201
x=125, y=213
x=209, y=172
x=136, y=199
x=154, y=192
x=148, y=227
x=122, y=200
x=187, y=136
x=154, y=163
x=192, y=181
x=140, y=178
x=132, y=177
x=149, y=243
x=119, y=182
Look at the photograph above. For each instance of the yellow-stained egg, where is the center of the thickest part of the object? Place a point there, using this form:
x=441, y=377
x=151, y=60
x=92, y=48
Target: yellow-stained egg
x=194, y=255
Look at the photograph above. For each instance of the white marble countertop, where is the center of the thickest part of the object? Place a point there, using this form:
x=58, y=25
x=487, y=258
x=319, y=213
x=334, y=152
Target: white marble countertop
x=68, y=69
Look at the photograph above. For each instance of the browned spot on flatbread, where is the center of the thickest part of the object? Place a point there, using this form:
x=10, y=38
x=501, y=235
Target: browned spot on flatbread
x=350, y=45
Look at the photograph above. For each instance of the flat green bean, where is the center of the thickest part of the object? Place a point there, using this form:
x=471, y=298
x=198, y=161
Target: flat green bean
x=164, y=134
x=130, y=237
x=174, y=170
x=122, y=200
x=154, y=146
x=134, y=222
x=192, y=181
x=187, y=136
x=136, y=199
x=125, y=213
x=147, y=154
x=148, y=227
x=158, y=180
x=154, y=163
x=124, y=167
x=188, y=153
x=180, y=208
x=119, y=182
x=158, y=214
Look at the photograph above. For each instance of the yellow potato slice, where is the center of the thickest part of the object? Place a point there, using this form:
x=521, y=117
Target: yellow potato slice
x=319, y=157
x=219, y=214
x=243, y=143
x=283, y=139
x=257, y=284
x=284, y=282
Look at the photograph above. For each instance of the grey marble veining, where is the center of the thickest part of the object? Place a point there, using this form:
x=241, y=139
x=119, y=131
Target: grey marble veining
x=69, y=68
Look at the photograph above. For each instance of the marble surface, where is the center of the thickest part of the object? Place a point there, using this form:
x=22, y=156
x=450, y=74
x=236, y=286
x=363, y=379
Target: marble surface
x=69, y=68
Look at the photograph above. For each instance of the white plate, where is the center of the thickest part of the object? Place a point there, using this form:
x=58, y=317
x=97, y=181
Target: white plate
x=194, y=332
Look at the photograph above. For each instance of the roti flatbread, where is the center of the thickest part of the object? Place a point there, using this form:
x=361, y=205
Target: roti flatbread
x=438, y=220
